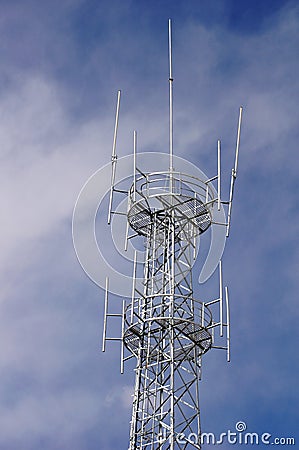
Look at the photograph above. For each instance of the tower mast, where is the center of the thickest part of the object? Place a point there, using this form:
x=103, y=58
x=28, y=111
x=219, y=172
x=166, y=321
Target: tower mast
x=165, y=326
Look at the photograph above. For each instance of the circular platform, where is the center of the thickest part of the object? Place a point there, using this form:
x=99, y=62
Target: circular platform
x=160, y=198
x=190, y=339
x=162, y=209
x=189, y=330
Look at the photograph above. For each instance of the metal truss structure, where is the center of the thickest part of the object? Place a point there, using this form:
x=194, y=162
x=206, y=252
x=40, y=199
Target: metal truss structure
x=164, y=326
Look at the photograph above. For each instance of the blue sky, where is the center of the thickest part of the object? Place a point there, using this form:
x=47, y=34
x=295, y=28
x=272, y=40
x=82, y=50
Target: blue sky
x=61, y=65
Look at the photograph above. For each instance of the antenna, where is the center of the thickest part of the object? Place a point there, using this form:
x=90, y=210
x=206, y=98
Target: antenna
x=134, y=162
x=238, y=140
x=234, y=173
x=113, y=157
x=227, y=323
x=170, y=97
x=219, y=174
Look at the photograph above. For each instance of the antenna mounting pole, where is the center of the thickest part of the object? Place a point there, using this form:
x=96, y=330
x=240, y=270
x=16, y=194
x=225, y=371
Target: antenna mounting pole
x=170, y=97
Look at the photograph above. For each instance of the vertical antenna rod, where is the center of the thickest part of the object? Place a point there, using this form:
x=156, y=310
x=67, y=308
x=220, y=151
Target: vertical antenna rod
x=238, y=140
x=113, y=157
x=227, y=323
x=234, y=173
x=170, y=98
x=134, y=162
x=219, y=173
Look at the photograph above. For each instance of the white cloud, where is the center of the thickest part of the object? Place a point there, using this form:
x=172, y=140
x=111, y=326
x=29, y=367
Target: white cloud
x=121, y=397
x=45, y=161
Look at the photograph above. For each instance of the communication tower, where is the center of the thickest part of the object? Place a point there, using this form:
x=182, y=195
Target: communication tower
x=164, y=326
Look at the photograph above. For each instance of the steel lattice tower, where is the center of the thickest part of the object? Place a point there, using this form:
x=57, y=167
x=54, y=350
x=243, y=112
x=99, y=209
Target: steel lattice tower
x=164, y=326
